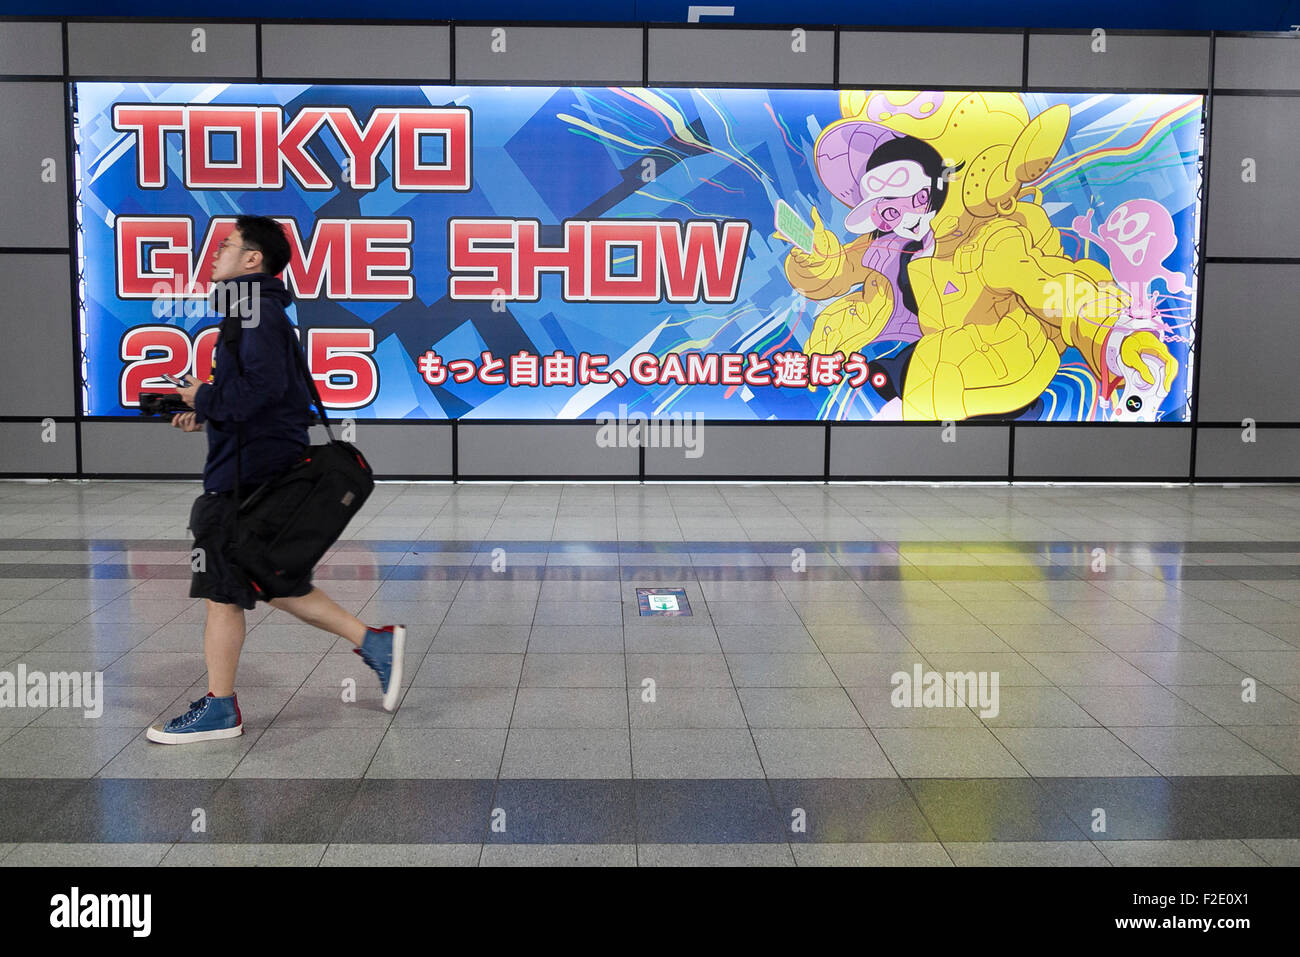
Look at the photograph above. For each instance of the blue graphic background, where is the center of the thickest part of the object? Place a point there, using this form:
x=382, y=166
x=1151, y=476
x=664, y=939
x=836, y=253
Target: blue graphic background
x=555, y=154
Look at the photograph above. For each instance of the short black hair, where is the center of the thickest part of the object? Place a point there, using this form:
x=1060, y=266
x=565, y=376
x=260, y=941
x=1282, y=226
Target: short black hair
x=267, y=237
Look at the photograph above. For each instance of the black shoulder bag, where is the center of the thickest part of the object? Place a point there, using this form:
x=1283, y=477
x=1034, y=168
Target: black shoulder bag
x=287, y=524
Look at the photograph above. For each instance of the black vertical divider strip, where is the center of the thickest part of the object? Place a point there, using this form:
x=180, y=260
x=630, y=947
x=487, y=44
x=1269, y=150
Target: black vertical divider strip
x=835, y=58
x=1197, y=341
x=455, y=450
x=1024, y=61
x=74, y=300
x=826, y=462
x=640, y=455
x=645, y=56
x=835, y=81
x=257, y=47
x=1011, y=451
x=455, y=423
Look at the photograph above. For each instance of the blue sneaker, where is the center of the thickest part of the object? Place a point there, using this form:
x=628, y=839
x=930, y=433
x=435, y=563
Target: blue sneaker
x=382, y=650
x=208, y=719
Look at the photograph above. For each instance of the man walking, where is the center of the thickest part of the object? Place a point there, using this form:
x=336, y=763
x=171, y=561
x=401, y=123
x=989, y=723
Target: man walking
x=258, y=396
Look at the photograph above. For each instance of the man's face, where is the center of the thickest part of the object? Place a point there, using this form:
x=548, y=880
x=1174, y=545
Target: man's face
x=234, y=259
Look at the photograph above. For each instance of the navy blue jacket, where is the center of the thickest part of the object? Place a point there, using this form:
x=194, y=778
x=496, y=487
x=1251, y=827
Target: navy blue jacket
x=269, y=402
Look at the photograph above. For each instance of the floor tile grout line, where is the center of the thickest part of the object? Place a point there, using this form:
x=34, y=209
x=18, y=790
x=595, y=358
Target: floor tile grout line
x=753, y=741
x=1192, y=705
x=1264, y=860
x=920, y=809
x=934, y=667
x=505, y=744
x=631, y=753
x=1058, y=688
x=885, y=754
x=1277, y=764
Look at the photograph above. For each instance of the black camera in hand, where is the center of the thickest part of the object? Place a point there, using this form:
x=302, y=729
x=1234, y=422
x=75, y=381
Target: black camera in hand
x=162, y=403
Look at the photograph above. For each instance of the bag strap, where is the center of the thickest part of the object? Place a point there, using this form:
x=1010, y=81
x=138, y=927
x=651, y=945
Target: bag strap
x=232, y=347
x=311, y=386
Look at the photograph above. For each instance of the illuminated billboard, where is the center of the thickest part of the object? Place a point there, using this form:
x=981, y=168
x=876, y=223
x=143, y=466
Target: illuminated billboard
x=562, y=253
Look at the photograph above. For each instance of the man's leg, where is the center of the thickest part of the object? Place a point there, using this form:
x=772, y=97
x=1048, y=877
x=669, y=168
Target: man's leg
x=216, y=715
x=317, y=608
x=381, y=648
x=223, y=639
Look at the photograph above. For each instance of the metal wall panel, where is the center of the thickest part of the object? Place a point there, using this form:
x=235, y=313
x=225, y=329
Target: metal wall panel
x=740, y=451
x=415, y=449
x=32, y=149
x=701, y=57
x=162, y=49
x=932, y=61
x=1250, y=343
x=31, y=48
x=540, y=450
x=561, y=55
x=148, y=447
x=36, y=373
x=886, y=451
x=1131, y=62
x=1118, y=452
x=24, y=449
x=1257, y=63
x=420, y=53
x=1274, y=454
x=1252, y=206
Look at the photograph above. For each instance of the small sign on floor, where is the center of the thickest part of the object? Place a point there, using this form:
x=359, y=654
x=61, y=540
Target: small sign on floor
x=662, y=601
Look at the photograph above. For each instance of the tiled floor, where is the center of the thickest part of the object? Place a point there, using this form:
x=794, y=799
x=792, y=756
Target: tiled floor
x=1139, y=648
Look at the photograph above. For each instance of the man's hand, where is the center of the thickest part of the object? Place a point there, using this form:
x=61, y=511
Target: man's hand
x=185, y=422
x=187, y=393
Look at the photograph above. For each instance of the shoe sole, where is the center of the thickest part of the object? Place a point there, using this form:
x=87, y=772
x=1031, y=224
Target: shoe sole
x=191, y=737
x=395, y=679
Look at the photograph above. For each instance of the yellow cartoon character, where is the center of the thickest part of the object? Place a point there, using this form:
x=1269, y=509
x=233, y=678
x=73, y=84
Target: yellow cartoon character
x=893, y=185
x=998, y=301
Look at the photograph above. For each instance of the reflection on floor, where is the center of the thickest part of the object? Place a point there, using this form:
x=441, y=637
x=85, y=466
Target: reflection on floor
x=869, y=675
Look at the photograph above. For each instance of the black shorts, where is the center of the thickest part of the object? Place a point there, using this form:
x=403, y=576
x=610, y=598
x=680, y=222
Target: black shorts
x=212, y=519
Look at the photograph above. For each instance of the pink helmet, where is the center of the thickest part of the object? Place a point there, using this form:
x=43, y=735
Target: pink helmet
x=843, y=150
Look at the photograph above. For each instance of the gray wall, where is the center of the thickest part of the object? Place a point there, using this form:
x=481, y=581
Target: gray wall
x=193, y=49
x=712, y=57
x=1125, y=61
x=934, y=60
x=1248, y=409
x=35, y=202
x=608, y=55
x=297, y=51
